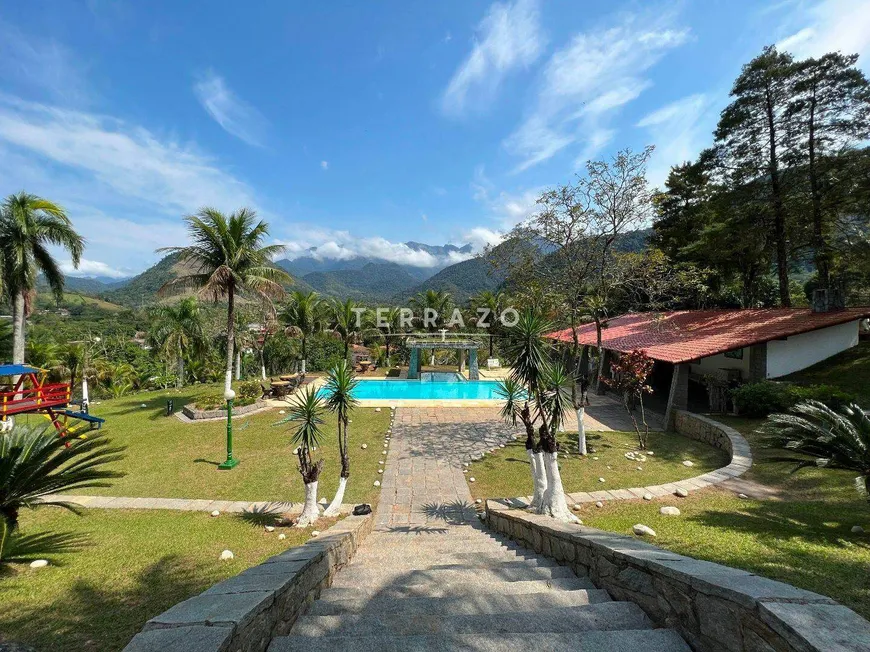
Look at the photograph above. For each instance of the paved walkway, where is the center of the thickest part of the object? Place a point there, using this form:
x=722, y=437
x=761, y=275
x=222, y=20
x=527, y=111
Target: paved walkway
x=184, y=504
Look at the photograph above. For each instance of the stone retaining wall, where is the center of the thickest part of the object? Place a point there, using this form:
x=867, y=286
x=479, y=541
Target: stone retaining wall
x=244, y=612
x=715, y=608
x=704, y=429
x=194, y=413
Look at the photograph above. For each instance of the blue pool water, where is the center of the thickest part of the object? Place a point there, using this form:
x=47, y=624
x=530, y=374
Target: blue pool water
x=423, y=389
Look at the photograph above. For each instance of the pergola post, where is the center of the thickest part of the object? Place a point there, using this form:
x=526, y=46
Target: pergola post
x=461, y=353
x=414, y=364
x=473, y=370
x=603, y=367
x=678, y=399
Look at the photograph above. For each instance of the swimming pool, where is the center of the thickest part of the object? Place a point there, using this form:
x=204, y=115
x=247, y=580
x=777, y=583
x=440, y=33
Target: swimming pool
x=425, y=389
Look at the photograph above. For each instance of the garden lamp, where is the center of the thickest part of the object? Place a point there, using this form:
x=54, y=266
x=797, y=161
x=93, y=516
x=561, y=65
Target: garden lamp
x=229, y=395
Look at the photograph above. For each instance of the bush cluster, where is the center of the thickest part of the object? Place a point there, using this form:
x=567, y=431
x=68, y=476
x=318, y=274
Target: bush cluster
x=767, y=397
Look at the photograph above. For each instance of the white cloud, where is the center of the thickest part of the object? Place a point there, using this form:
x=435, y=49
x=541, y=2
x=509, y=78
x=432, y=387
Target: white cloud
x=324, y=165
x=510, y=37
x=587, y=81
x=679, y=131
x=236, y=116
x=125, y=160
x=481, y=237
x=814, y=28
x=90, y=268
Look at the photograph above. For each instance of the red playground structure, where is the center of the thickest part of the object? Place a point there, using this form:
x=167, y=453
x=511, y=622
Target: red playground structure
x=30, y=394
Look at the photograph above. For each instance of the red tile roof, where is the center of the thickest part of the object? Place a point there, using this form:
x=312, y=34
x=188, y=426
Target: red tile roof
x=687, y=335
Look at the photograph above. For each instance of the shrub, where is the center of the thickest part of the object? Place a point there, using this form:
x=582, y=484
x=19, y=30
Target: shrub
x=248, y=389
x=768, y=397
x=324, y=352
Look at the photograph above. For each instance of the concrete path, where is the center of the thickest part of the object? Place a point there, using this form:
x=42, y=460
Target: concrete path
x=184, y=504
x=432, y=578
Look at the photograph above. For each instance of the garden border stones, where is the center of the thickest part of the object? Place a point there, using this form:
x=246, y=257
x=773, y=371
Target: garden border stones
x=195, y=414
x=714, y=607
x=245, y=612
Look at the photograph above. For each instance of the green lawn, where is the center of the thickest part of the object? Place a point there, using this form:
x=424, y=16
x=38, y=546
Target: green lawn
x=166, y=458
x=849, y=370
x=505, y=473
x=132, y=566
x=802, y=538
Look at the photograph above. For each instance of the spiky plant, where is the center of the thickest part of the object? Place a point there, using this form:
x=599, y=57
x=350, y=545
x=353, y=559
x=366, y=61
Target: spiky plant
x=340, y=384
x=36, y=463
x=306, y=412
x=820, y=437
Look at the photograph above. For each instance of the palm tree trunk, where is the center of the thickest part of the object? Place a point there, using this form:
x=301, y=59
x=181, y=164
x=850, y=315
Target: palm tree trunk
x=304, y=352
x=18, y=326
x=238, y=364
x=231, y=338
x=335, y=506
x=179, y=373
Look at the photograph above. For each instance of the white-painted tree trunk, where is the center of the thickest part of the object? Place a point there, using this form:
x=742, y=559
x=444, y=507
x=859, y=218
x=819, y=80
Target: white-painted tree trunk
x=335, y=506
x=310, y=511
x=539, y=480
x=19, y=325
x=303, y=366
x=85, y=397
x=238, y=364
x=554, y=503
x=263, y=371
x=581, y=430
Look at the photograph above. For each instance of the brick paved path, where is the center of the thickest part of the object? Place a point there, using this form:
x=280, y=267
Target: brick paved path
x=423, y=482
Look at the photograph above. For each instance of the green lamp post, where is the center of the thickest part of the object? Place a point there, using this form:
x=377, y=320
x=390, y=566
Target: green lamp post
x=229, y=395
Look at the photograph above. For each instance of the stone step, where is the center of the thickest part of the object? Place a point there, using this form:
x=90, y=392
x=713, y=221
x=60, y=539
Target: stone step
x=433, y=537
x=457, y=589
x=397, y=577
x=438, y=546
x=445, y=556
x=657, y=640
x=467, y=605
x=602, y=616
x=438, y=562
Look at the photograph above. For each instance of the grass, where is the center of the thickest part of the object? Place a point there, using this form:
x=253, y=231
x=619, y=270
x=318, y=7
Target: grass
x=803, y=537
x=135, y=565
x=505, y=473
x=166, y=458
x=848, y=370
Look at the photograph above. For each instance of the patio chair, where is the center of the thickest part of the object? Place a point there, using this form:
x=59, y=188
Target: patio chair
x=267, y=391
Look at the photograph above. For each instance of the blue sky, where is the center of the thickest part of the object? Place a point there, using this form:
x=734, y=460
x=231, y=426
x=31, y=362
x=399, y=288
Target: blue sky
x=355, y=126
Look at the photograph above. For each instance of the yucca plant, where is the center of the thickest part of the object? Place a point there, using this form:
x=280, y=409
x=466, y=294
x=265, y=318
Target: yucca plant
x=340, y=383
x=306, y=411
x=35, y=463
x=823, y=438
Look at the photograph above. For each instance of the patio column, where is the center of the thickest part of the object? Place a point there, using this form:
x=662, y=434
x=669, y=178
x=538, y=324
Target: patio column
x=584, y=361
x=461, y=353
x=758, y=362
x=678, y=399
x=601, y=387
x=473, y=370
x=414, y=365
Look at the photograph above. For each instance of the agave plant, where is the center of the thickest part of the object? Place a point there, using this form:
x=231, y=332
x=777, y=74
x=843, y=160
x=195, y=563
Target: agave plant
x=824, y=438
x=35, y=463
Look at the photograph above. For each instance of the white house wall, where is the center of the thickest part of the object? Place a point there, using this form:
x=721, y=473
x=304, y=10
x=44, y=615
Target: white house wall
x=801, y=351
x=712, y=364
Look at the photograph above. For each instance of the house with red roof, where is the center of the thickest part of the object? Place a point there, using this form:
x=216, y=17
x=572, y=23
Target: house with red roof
x=725, y=347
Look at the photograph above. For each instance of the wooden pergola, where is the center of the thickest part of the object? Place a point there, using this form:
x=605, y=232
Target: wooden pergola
x=418, y=344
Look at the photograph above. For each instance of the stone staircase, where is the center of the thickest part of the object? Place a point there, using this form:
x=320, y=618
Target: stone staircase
x=455, y=586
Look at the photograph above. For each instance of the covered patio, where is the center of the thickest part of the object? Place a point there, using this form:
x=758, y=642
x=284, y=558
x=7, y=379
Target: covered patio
x=418, y=344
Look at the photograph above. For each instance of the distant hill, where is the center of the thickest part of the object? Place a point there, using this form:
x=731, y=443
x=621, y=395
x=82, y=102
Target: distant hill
x=372, y=283
x=142, y=290
x=462, y=280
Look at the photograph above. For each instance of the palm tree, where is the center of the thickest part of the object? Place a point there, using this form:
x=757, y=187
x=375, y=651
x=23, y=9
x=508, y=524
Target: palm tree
x=347, y=322
x=340, y=384
x=824, y=438
x=35, y=463
x=432, y=306
x=307, y=412
x=43, y=352
x=389, y=324
x=303, y=316
x=70, y=361
x=178, y=332
x=29, y=225
x=537, y=393
x=227, y=258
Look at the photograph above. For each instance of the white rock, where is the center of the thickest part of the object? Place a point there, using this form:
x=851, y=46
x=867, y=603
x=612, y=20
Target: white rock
x=857, y=529
x=688, y=463
x=380, y=461
x=315, y=533
x=647, y=496
x=650, y=453
x=478, y=501
x=668, y=510
x=643, y=530
x=282, y=412
x=380, y=470
x=39, y=563
x=143, y=405
x=682, y=493
x=601, y=480
x=609, y=468
x=594, y=458
x=743, y=496
x=282, y=536
x=377, y=409
x=577, y=507
x=270, y=528
x=323, y=501
x=471, y=480
x=296, y=451
x=640, y=468
x=599, y=504
x=501, y=445
x=377, y=483
x=227, y=554
x=465, y=470
x=466, y=463
x=383, y=452
x=364, y=446
x=215, y=513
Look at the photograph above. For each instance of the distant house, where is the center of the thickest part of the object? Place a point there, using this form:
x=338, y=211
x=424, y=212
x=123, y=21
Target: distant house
x=724, y=347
